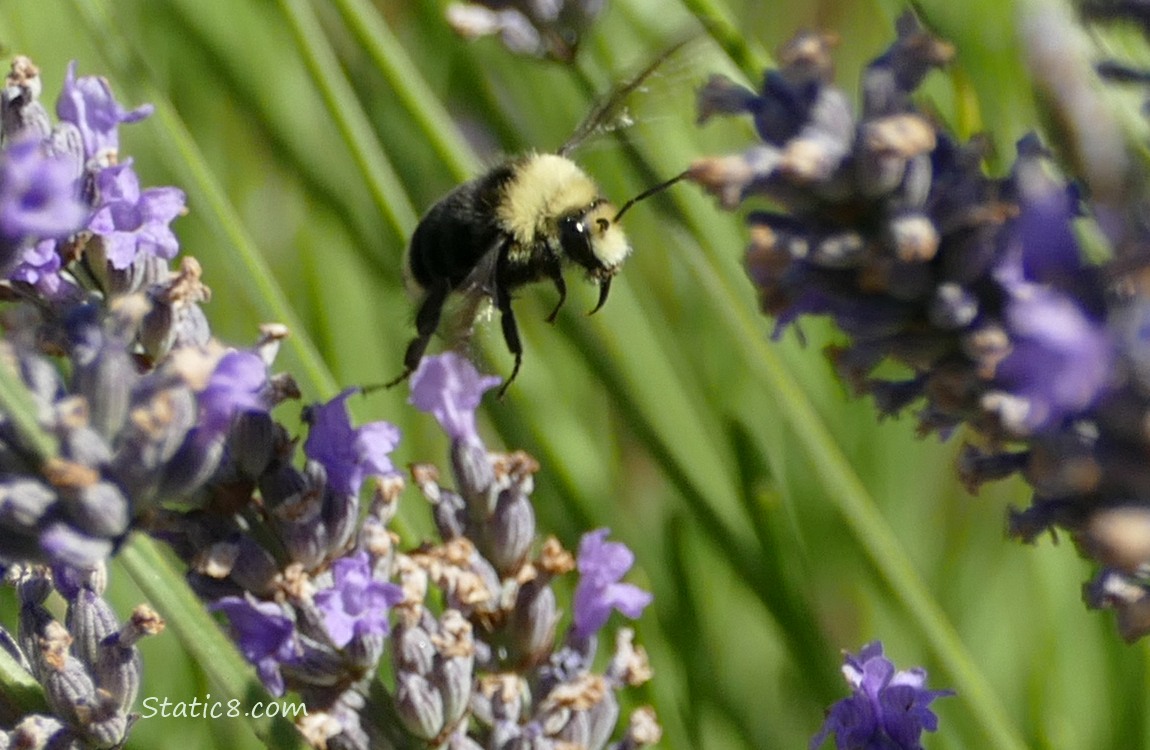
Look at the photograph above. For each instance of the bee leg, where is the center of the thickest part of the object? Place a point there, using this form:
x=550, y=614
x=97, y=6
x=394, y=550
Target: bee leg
x=604, y=290
x=556, y=275
x=510, y=334
x=426, y=321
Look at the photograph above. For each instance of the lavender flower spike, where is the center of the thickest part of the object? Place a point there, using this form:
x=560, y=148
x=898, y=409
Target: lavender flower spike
x=348, y=454
x=450, y=388
x=888, y=710
x=601, y=564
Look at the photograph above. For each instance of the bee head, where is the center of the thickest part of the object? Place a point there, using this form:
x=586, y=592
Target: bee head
x=594, y=240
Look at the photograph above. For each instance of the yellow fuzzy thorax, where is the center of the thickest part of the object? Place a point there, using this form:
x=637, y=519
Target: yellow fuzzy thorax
x=545, y=187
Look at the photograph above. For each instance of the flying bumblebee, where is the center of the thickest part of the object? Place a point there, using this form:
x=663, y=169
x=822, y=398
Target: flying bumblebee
x=521, y=222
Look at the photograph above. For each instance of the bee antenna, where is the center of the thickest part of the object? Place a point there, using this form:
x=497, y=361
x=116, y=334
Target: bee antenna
x=648, y=193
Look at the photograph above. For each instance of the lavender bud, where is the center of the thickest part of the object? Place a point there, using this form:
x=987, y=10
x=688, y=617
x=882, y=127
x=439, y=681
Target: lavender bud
x=533, y=621
x=1130, y=599
x=90, y=620
x=1118, y=538
x=119, y=667
x=454, y=665
x=459, y=741
x=340, y=519
x=474, y=476
x=253, y=442
x=100, y=509
x=254, y=568
x=38, y=732
x=412, y=650
x=448, y=508
x=160, y=417
x=22, y=115
x=64, y=544
x=175, y=319
x=511, y=530
x=601, y=720
x=419, y=706
x=103, y=371
x=23, y=502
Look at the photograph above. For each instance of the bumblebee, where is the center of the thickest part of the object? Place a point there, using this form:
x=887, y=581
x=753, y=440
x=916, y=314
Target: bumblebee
x=521, y=222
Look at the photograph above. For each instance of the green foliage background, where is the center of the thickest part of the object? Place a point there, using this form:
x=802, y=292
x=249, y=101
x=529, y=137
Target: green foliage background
x=775, y=520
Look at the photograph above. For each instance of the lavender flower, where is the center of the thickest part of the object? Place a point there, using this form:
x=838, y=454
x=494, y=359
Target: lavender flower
x=356, y=604
x=39, y=268
x=887, y=711
x=601, y=565
x=450, y=388
x=89, y=105
x=38, y=200
x=131, y=222
x=237, y=385
x=265, y=636
x=349, y=454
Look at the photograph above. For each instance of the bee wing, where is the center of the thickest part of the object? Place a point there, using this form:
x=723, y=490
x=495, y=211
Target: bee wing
x=610, y=106
x=471, y=300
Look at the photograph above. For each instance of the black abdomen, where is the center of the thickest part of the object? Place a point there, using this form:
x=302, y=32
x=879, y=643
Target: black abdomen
x=458, y=231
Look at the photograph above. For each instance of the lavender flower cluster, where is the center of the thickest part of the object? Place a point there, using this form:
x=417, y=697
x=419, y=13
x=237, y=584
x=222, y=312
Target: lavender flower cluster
x=85, y=251
x=888, y=709
x=131, y=401
x=308, y=589
x=153, y=425
x=88, y=665
x=978, y=287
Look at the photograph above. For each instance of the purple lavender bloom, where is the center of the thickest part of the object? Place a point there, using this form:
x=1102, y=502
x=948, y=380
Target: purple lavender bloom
x=888, y=710
x=349, y=454
x=39, y=267
x=356, y=604
x=601, y=565
x=133, y=222
x=450, y=388
x=1060, y=361
x=38, y=199
x=264, y=635
x=235, y=386
x=88, y=104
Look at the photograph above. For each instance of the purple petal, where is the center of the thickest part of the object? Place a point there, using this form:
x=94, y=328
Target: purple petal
x=449, y=387
x=348, y=455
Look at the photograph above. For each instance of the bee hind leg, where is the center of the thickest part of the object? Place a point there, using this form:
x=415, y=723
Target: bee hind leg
x=426, y=321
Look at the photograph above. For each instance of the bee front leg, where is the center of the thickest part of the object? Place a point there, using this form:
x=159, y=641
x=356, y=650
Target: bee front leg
x=510, y=333
x=556, y=275
x=426, y=321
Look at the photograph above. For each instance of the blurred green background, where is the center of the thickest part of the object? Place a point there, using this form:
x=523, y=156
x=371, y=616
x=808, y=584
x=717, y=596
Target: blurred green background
x=775, y=520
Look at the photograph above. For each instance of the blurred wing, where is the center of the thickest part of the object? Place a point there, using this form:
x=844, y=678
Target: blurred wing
x=470, y=302
x=603, y=114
